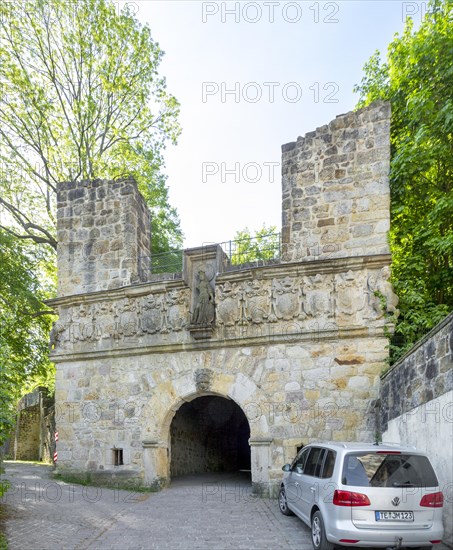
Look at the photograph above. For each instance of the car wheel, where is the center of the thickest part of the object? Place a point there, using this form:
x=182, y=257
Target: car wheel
x=318, y=533
x=283, y=503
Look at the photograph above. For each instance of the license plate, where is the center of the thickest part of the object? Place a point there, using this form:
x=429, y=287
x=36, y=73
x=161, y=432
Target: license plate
x=394, y=516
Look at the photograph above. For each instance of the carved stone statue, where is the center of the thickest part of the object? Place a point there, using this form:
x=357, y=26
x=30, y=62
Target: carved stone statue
x=381, y=288
x=204, y=309
x=55, y=334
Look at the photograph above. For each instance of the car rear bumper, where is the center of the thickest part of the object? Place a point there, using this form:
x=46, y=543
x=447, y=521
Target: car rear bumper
x=382, y=539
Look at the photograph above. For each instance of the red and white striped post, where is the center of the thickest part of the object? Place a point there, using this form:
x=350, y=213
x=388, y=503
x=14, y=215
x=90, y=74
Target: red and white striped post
x=55, y=455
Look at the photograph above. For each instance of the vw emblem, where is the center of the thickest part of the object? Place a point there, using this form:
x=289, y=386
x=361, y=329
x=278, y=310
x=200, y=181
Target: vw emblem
x=395, y=501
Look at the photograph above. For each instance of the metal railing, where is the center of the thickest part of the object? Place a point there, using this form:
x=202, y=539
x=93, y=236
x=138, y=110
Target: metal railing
x=247, y=251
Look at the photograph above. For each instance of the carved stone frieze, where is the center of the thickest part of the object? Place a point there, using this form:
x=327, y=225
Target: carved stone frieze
x=248, y=308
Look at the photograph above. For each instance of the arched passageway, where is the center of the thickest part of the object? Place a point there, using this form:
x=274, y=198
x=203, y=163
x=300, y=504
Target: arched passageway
x=209, y=434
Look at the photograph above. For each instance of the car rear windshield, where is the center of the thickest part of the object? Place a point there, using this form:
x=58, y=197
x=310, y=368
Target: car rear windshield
x=388, y=470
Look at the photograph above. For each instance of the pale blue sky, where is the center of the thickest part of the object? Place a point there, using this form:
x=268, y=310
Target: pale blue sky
x=218, y=132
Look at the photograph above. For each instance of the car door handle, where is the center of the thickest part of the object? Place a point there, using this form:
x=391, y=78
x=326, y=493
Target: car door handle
x=312, y=489
x=296, y=483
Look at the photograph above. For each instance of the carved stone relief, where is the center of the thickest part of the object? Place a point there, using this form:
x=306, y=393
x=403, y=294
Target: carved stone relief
x=243, y=309
x=381, y=298
x=151, y=317
x=227, y=304
x=351, y=297
x=318, y=290
x=176, y=308
x=286, y=297
x=257, y=299
x=203, y=379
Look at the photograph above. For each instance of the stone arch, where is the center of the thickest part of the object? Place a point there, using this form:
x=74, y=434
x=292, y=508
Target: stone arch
x=170, y=395
x=208, y=433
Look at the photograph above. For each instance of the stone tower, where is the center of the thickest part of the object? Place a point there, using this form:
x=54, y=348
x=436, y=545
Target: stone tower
x=335, y=190
x=104, y=235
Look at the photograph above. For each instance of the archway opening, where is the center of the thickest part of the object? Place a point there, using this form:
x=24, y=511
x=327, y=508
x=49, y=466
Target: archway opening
x=209, y=434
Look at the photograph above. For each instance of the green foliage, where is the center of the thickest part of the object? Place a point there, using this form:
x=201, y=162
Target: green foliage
x=81, y=99
x=3, y=542
x=417, y=78
x=264, y=244
x=24, y=325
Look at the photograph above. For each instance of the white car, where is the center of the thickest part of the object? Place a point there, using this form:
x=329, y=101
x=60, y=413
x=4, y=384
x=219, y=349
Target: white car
x=359, y=494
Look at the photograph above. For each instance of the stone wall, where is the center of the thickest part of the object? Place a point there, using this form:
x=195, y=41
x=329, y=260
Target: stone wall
x=188, y=445
x=34, y=436
x=104, y=232
x=422, y=375
x=28, y=428
x=417, y=407
x=336, y=194
x=299, y=346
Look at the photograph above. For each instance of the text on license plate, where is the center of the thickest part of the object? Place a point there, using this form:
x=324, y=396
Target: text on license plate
x=394, y=516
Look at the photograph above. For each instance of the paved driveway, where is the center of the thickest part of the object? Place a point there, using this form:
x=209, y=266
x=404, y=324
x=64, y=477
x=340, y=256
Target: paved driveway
x=215, y=512
x=195, y=512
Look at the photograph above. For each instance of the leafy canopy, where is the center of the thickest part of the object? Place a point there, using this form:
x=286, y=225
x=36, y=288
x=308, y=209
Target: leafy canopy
x=264, y=244
x=417, y=78
x=24, y=325
x=81, y=99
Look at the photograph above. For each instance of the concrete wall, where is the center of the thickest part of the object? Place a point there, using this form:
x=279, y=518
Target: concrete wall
x=417, y=406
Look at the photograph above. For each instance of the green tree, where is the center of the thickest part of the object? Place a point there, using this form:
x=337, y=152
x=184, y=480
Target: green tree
x=81, y=99
x=417, y=78
x=24, y=324
x=264, y=244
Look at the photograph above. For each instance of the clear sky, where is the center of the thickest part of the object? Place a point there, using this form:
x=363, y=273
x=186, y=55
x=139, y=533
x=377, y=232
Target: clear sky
x=251, y=76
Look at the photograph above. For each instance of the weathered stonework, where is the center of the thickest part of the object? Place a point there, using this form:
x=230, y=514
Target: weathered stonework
x=335, y=188
x=297, y=346
x=422, y=375
x=104, y=235
x=34, y=435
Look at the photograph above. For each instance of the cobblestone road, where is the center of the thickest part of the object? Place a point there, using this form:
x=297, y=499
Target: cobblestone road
x=195, y=512
x=39, y=513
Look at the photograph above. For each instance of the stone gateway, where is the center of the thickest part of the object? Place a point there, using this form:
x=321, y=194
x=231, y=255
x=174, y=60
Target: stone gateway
x=225, y=367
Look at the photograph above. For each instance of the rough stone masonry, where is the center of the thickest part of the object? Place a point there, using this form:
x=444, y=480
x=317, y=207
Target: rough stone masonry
x=151, y=384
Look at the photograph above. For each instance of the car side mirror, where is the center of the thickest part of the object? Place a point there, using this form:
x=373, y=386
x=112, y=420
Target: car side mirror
x=287, y=468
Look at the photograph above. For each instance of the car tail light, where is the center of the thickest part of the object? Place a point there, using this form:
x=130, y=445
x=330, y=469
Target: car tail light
x=349, y=498
x=433, y=500
x=435, y=541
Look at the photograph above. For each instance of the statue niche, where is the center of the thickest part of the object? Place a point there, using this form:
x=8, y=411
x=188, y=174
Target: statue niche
x=204, y=311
